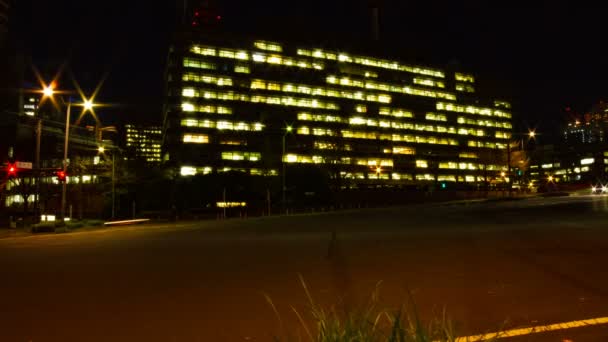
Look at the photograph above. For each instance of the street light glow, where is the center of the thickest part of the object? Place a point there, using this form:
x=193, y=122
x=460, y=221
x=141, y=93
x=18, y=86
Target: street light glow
x=289, y=128
x=550, y=178
x=378, y=169
x=48, y=91
x=88, y=105
x=101, y=149
x=532, y=134
x=502, y=174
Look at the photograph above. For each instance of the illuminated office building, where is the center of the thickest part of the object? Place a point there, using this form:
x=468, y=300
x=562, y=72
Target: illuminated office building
x=143, y=142
x=365, y=119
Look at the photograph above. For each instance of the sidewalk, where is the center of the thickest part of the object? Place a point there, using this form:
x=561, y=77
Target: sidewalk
x=9, y=233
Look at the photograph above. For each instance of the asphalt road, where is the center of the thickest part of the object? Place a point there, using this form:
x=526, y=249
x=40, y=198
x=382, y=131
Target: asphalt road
x=491, y=266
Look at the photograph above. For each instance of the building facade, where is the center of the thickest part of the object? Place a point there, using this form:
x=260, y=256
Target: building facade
x=254, y=106
x=143, y=142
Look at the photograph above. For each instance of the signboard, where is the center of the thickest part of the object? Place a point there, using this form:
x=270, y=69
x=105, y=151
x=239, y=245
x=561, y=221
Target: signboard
x=23, y=165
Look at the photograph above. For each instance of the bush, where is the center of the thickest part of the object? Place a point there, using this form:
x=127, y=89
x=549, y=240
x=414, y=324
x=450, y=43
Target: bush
x=46, y=227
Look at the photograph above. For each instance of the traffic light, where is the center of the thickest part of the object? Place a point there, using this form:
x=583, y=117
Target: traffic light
x=443, y=185
x=60, y=175
x=11, y=170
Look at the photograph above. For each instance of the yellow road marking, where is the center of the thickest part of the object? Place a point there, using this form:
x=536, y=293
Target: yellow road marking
x=534, y=330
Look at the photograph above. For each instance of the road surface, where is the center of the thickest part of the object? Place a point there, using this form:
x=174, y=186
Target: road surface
x=491, y=266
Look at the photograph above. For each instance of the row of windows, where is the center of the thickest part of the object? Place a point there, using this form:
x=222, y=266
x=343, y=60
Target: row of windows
x=403, y=89
x=268, y=46
x=452, y=107
x=326, y=145
x=436, y=117
x=206, y=108
x=486, y=144
x=464, y=77
x=391, y=137
x=242, y=69
x=319, y=91
x=198, y=63
x=272, y=100
x=204, y=170
x=357, y=121
x=223, y=124
x=196, y=138
x=368, y=61
x=410, y=177
x=195, y=77
x=465, y=88
x=487, y=123
x=396, y=112
x=239, y=155
x=429, y=82
x=502, y=104
x=256, y=57
x=317, y=159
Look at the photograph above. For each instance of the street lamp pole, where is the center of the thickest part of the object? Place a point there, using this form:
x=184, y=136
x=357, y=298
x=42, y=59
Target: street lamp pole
x=65, y=158
x=113, y=185
x=283, y=179
x=284, y=173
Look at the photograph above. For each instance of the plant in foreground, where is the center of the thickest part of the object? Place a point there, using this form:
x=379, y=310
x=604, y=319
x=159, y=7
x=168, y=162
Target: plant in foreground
x=369, y=323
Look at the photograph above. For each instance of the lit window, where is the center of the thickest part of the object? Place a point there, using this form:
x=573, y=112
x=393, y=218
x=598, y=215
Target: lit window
x=464, y=77
x=422, y=163
x=236, y=155
x=187, y=171
x=187, y=107
x=243, y=69
x=196, y=138
x=403, y=150
x=269, y=46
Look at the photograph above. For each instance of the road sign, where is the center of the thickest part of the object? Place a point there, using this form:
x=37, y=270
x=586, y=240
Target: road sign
x=23, y=165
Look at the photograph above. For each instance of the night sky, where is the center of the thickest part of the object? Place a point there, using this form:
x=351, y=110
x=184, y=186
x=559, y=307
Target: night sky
x=541, y=57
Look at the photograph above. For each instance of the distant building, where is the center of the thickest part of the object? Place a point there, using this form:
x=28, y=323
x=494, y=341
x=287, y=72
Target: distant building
x=591, y=128
x=30, y=106
x=143, y=142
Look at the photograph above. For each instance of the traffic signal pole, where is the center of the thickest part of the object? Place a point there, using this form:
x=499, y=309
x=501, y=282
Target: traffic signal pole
x=65, y=159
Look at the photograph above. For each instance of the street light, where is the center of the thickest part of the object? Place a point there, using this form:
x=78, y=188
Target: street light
x=87, y=105
x=101, y=149
x=48, y=91
x=288, y=130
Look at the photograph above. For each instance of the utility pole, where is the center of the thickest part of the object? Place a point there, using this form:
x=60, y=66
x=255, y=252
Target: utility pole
x=65, y=158
x=37, y=169
x=509, y=166
x=284, y=176
x=113, y=185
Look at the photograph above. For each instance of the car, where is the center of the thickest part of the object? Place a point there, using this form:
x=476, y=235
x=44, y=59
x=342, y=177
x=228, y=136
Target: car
x=599, y=189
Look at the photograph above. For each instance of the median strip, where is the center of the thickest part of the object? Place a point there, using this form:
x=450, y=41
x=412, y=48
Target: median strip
x=535, y=329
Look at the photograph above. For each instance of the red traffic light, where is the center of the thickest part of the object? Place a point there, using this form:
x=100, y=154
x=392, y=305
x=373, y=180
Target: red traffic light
x=11, y=170
x=60, y=175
